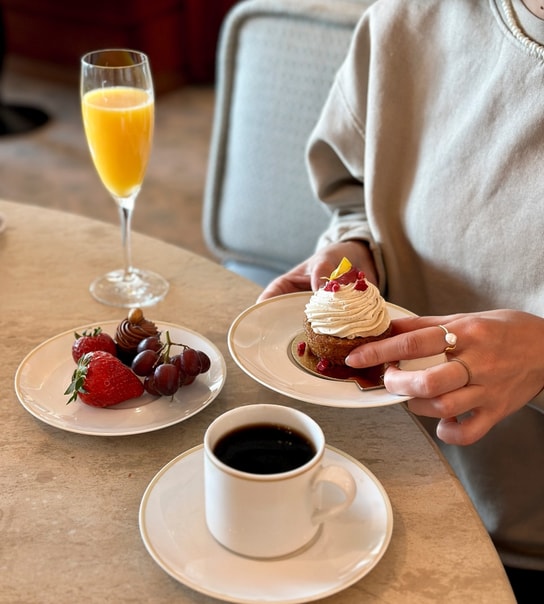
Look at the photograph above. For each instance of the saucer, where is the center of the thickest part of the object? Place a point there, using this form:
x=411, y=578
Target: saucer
x=173, y=529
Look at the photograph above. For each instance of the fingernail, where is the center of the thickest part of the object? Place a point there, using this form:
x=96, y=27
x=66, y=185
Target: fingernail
x=348, y=360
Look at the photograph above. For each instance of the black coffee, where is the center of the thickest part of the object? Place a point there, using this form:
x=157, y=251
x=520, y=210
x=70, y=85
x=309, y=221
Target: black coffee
x=264, y=449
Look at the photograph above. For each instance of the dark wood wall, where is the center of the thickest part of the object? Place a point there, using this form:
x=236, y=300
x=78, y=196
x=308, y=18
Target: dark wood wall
x=180, y=36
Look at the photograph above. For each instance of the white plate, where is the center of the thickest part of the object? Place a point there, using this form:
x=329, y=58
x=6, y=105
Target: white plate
x=259, y=340
x=44, y=374
x=173, y=528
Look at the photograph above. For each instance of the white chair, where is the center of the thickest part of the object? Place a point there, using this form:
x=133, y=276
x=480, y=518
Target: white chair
x=276, y=62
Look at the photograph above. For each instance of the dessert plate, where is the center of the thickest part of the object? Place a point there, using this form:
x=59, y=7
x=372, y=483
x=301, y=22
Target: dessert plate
x=44, y=374
x=173, y=529
x=260, y=341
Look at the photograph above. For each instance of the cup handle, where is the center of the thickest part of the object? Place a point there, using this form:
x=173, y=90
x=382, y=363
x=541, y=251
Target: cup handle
x=341, y=478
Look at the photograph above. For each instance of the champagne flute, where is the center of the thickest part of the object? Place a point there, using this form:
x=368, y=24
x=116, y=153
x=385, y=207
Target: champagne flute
x=117, y=102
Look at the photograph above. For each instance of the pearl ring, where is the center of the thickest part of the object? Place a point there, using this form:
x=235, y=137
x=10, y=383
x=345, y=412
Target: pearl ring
x=451, y=339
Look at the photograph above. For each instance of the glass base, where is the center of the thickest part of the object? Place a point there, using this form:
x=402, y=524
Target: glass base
x=139, y=289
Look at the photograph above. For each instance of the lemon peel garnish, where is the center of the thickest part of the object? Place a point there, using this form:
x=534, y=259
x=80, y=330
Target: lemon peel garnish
x=344, y=267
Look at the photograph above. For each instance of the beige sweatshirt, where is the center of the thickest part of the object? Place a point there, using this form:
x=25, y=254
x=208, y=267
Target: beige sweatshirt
x=431, y=147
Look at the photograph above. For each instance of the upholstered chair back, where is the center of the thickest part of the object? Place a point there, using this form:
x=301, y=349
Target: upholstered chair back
x=276, y=62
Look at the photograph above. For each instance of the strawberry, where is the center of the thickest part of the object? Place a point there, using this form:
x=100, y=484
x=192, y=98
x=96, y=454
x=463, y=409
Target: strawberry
x=91, y=341
x=102, y=380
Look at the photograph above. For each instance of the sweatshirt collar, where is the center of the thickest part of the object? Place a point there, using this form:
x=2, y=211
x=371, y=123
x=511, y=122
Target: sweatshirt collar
x=531, y=25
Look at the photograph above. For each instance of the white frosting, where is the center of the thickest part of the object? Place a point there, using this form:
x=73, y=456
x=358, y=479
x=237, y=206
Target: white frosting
x=348, y=312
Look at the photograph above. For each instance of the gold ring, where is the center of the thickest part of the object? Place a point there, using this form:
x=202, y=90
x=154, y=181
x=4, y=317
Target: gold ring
x=451, y=339
x=469, y=372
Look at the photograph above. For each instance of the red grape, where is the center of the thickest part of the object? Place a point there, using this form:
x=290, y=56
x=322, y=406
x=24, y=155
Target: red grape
x=190, y=361
x=166, y=378
x=149, y=385
x=144, y=362
x=186, y=380
x=150, y=343
x=204, y=361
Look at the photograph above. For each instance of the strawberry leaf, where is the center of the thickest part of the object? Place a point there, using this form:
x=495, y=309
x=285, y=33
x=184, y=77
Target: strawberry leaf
x=77, y=383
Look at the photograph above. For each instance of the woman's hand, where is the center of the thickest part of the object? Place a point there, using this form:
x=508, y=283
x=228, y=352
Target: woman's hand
x=500, y=368
x=309, y=274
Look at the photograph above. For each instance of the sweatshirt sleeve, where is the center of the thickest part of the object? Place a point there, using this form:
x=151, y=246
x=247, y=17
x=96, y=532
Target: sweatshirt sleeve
x=335, y=158
x=336, y=150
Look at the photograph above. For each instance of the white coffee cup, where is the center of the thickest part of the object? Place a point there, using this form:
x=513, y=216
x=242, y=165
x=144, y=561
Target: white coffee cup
x=268, y=515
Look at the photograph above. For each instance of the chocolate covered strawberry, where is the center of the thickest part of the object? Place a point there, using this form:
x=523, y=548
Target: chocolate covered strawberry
x=101, y=380
x=89, y=341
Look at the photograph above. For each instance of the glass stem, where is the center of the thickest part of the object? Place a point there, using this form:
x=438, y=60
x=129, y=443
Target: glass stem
x=125, y=215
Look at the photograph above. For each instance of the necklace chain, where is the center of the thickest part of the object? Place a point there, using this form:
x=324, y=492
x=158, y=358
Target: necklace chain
x=534, y=48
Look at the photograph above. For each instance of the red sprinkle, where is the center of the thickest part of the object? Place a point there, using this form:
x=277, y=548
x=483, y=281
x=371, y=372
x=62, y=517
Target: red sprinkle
x=323, y=365
x=361, y=285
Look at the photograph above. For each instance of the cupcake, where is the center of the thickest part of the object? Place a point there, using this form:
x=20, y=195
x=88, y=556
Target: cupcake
x=346, y=312
x=130, y=332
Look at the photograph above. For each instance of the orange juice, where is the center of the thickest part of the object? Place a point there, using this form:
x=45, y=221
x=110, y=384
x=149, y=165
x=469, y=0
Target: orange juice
x=118, y=124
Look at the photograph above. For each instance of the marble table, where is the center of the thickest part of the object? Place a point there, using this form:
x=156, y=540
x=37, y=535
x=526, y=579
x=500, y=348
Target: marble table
x=69, y=502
